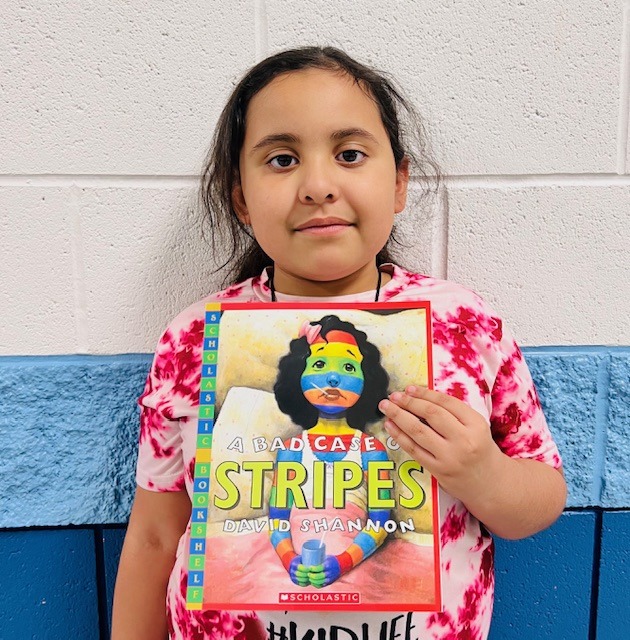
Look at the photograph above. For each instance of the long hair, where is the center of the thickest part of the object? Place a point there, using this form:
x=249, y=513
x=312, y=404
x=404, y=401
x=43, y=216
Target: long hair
x=288, y=390
x=220, y=173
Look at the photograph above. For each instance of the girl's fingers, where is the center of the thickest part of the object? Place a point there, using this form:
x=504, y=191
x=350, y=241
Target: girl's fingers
x=453, y=406
x=438, y=418
x=410, y=445
x=422, y=434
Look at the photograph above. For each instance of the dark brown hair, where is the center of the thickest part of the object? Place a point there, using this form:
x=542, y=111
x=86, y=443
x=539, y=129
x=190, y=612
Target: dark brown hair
x=288, y=391
x=221, y=169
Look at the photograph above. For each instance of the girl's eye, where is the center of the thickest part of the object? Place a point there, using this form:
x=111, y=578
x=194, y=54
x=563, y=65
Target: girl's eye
x=350, y=368
x=351, y=156
x=319, y=364
x=283, y=161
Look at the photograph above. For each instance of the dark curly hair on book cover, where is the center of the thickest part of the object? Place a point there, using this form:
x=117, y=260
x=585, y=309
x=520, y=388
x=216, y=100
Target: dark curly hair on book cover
x=288, y=390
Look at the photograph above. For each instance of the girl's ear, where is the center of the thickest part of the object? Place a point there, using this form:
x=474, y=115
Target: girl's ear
x=402, y=181
x=238, y=202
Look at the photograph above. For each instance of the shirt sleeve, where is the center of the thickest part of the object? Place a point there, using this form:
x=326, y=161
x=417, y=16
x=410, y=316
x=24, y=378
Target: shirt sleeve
x=517, y=420
x=170, y=393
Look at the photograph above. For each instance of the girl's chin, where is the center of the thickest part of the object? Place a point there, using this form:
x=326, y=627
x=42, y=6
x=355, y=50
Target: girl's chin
x=336, y=413
x=336, y=278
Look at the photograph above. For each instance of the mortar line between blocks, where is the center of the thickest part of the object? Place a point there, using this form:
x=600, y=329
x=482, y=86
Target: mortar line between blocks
x=497, y=181
x=100, y=181
x=261, y=30
x=595, y=574
x=601, y=429
x=78, y=271
x=101, y=583
x=624, y=93
x=164, y=182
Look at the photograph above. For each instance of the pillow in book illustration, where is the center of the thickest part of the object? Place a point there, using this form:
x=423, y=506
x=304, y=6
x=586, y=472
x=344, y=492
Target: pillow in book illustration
x=252, y=344
x=244, y=430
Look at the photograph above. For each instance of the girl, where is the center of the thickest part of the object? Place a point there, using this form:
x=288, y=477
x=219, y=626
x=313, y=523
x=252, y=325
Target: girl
x=309, y=167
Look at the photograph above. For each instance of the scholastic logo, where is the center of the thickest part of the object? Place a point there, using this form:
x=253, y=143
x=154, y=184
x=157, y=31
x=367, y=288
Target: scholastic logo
x=342, y=597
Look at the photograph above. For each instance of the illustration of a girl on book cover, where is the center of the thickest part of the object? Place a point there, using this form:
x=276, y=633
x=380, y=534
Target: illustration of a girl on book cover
x=330, y=384
x=306, y=489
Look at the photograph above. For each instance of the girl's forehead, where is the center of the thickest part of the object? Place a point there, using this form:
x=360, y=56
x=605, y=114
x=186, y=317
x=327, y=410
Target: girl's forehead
x=337, y=350
x=307, y=78
x=312, y=97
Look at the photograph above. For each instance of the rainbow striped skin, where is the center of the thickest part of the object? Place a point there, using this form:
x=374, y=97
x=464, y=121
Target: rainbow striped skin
x=333, y=379
x=317, y=397
x=364, y=544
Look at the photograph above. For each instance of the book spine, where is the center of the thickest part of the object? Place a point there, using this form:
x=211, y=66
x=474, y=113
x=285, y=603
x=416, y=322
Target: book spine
x=201, y=486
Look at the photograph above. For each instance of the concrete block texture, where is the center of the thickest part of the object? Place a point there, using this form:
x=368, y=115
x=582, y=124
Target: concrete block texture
x=616, y=490
x=69, y=440
x=145, y=261
x=148, y=255
x=99, y=270
x=69, y=428
x=613, y=612
x=543, y=583
x=37, y=270
x=117, y=88
x=104, y=270
x=49, y=586
x=553, y=260
x=506, y=87
x=567, y=384
x=420, y=232
x=624, y=112
x=112, y=541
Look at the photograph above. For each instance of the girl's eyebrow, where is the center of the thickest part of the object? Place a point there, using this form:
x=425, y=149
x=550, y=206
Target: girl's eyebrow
x=353, y=132
x=289, y=138
x=274, y=138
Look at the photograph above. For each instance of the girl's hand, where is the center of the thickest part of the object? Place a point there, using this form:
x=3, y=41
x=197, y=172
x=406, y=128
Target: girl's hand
x=324, y=574
x=451, y=440
x=318, y=576
x=299, y=572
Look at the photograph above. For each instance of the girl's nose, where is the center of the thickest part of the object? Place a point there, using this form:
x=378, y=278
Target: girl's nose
x=333, y=380
x=317, y=186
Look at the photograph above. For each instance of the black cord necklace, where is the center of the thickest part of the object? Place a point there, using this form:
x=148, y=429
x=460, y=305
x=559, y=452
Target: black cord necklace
x=273, y=290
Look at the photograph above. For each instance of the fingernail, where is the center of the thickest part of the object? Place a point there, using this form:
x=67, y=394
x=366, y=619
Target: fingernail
x=411, y=389
x=388, y=425
x=383, y=404
x=395, y=396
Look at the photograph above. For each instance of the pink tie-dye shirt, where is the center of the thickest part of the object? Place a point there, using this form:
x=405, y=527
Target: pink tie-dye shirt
x=474, y=359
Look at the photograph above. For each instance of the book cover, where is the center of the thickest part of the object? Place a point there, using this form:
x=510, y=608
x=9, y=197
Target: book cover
x=301, y=499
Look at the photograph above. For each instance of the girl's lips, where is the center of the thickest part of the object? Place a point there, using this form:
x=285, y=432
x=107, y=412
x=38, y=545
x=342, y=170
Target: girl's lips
x=324, y=226
x=331, y=393
x=325, y=230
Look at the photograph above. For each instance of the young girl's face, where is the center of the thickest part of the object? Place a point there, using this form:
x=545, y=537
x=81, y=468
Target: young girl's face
x=332, y=380
x=319, y=185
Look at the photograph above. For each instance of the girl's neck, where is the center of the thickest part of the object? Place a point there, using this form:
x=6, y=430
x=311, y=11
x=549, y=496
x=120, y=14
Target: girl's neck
x=368, y=278
x=331, y=426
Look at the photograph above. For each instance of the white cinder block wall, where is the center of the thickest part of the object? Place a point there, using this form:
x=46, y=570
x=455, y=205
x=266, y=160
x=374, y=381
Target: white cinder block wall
x=107, y=110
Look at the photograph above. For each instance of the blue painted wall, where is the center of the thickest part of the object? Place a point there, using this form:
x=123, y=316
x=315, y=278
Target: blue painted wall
x=68, y=427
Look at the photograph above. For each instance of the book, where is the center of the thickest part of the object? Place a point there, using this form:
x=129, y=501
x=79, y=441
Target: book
x=301, y=500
